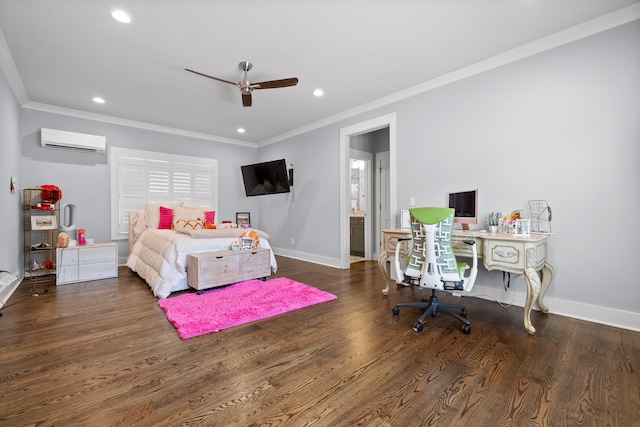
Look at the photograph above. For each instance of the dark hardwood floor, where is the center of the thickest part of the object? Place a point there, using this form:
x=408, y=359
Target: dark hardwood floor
x=102, y=353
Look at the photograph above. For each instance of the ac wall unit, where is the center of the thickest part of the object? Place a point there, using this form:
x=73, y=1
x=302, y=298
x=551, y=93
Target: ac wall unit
x=60, y=139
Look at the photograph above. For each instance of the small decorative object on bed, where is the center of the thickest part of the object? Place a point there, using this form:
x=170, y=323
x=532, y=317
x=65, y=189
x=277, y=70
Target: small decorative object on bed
x=163, y=234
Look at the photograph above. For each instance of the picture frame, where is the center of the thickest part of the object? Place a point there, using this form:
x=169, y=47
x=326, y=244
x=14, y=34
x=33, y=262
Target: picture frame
x=243, y=219
x=44, y=222
x=405, y=219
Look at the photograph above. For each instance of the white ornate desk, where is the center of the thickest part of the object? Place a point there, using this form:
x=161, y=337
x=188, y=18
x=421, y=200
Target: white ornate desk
x=499, y=251
x=389, y=242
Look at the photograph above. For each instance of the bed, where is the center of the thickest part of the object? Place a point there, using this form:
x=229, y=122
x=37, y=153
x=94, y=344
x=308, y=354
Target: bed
x=159, y=255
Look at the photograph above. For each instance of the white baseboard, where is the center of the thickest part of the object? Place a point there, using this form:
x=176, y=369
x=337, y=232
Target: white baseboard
x=303, y=256
x=516, y=295
x=577, y=310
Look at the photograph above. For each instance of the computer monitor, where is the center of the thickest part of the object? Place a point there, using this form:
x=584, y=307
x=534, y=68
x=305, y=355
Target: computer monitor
x=465, y=204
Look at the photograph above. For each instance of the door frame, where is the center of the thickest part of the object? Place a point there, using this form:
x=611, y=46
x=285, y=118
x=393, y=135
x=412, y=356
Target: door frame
x=388, y=120
x=382, y=193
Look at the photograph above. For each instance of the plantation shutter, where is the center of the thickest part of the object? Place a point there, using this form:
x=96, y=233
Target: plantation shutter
x=132, y=190
x=140, y=176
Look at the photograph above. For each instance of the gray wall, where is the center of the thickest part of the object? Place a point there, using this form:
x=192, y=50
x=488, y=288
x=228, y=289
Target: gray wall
x=85, y=177
x=10, y=205
x=371, y=142
x=302, y=222
x=561, y=125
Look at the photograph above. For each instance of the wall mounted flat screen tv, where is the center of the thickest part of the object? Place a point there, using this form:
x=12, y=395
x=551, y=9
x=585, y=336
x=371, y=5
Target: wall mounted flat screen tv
x=465, y=203
x=266, y=178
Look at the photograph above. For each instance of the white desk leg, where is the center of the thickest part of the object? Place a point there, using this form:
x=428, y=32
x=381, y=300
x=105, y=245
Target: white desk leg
x=547, y=276
x=382, y=263
x=533, y=290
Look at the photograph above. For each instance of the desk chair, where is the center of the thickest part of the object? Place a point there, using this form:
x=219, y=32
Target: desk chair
x=431, y=263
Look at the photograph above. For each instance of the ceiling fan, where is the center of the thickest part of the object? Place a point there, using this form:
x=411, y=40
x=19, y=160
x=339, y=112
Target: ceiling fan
x=246, y=87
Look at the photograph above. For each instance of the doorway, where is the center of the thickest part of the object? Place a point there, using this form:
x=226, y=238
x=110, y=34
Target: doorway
x=346, y=136
x=362, y=198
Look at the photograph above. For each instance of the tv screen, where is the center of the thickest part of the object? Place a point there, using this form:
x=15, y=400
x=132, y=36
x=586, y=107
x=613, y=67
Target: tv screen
x=465, y=204
x=265, y=178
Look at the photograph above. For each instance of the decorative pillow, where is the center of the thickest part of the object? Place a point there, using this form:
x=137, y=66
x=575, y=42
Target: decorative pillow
x=209, y=225
x=199, y=208
x=227, y=224
x=188, y=218
x=152, y=209
x=209, y=213
x=166, y=218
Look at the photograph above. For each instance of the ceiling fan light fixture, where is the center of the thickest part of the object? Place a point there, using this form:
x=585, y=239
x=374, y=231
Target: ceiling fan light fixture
x=121, y=16
x=247, y=87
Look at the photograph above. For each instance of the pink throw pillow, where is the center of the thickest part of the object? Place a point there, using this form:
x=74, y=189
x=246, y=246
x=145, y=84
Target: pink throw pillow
x=166, y=218
x=210, y=216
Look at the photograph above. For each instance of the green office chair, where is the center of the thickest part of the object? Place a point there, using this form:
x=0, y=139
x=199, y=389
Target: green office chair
x=431, y=263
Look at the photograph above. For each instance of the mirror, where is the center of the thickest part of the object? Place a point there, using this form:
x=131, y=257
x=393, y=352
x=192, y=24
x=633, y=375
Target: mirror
x=358, y=186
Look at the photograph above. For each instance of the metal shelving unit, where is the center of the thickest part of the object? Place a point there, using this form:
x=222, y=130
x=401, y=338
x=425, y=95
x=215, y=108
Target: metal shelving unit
x=41, y=219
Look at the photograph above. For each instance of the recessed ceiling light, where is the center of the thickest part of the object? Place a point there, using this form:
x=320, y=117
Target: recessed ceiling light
x=98, y=100
x=318, y=92
x=121, y=16
x=240, y=130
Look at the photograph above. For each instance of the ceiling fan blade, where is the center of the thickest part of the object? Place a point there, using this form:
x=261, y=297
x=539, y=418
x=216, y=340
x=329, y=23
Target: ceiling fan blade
x=246, y=100
x=211, y=77
x=273, y=84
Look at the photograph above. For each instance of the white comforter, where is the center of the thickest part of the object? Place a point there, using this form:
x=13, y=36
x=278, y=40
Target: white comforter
x=160, y=257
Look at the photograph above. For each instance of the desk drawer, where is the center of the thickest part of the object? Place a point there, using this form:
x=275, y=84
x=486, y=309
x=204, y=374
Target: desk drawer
x=514, y=256
x=391, y=241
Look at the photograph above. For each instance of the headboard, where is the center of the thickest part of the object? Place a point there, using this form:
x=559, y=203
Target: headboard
x=137, y=224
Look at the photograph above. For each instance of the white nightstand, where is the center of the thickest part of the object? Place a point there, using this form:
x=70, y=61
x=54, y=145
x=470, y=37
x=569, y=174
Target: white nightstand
x=86, y=262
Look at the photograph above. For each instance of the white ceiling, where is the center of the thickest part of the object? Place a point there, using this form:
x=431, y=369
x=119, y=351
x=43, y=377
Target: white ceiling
x=61, y=53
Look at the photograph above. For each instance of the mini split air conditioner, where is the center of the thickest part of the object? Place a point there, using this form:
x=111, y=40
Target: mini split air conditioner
x=51, y=138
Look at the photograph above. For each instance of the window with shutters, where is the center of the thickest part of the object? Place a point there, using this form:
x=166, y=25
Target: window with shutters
x=145, y=176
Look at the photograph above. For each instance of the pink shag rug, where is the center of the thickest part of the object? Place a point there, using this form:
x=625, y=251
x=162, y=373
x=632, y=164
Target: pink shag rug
x=243, y=302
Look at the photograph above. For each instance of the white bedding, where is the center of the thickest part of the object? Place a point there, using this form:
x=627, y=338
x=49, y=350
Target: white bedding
x=160, y=257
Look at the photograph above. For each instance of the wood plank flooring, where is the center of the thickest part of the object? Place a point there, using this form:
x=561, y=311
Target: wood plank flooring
x=102, y=353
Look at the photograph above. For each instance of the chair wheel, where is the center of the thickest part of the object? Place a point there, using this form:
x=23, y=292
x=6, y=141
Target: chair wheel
x=418, y=327
x=396, y=310
x=463, y=313
x=466, y=329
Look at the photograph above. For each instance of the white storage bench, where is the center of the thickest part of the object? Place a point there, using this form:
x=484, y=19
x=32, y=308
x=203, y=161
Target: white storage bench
x=211, y=269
